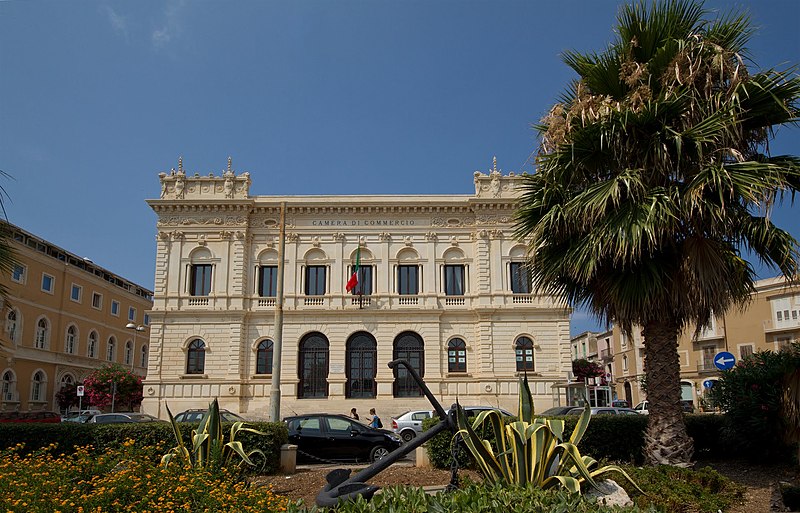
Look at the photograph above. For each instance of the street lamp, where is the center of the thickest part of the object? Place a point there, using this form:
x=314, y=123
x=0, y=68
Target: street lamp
x=135, y=328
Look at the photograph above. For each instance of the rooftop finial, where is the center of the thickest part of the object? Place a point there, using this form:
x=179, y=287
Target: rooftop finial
x=180, y=164
x=230, y=162
x=494, y=164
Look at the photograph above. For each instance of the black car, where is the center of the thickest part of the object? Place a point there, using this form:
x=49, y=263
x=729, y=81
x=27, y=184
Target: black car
x=322, y=436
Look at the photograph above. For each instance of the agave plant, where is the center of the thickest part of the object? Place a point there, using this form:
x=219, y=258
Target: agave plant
x=209, y=449
x=532, y=450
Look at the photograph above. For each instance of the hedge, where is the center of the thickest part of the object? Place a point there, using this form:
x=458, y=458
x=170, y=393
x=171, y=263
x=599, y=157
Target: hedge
x=608, y=437
x=156, y=437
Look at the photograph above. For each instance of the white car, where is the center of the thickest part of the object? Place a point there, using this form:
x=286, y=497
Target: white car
x=642, y=408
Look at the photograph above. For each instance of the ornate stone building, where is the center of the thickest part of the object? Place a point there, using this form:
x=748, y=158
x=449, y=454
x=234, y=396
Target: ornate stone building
x=441, y=282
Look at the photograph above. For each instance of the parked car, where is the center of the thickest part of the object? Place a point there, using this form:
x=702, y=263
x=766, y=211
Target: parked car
x=327, y=437
x=603, y=410
x=644, y=407
x=30, y=416
x=122, y=418
x=619, y=403
x=409, y=424
x=556, y=410
x=195, y=415
x=79, y=417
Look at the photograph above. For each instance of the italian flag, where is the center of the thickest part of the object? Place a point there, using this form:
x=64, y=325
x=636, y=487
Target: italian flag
x=353, y=281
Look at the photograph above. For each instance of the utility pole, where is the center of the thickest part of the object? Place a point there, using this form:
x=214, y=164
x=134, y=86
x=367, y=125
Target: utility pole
x=277, y=344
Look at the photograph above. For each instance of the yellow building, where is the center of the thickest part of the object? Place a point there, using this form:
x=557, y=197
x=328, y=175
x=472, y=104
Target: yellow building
x=770, y=322
x=63, y=317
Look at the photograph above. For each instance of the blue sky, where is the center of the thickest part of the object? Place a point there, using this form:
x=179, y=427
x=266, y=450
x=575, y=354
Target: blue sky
x=310, y=97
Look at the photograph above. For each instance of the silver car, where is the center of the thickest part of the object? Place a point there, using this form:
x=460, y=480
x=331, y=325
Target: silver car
x=409, y=424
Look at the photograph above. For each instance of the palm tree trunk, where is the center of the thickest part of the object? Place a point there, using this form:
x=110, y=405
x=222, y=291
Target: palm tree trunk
x=666, y=439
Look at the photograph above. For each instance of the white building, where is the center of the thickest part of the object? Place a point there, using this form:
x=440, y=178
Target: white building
x=442, y=284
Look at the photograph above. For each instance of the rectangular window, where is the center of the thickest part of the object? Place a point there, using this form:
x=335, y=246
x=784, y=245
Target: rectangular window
x=115, y=307
x=454, y=280
x=97, y=300
x=131, y=313
x=146, y=321
x=408, y=280
x=364, y=286
x=18, y=273
x=520, y=278
x=745, y=351
x=315, y=280
x=200, y=284
x=48, y=282
x=75, y=294
x=780, y=316
x=268, y=281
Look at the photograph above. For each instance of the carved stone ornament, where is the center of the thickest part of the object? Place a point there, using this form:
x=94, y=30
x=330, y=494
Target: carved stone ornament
x=431, y=236
x=151, y=390
x=453, y=240
x=178, y=235
x=315, y=241
x=338, y=236
x=495, y=185
x=201, y=240
x=178, y=186
x=202, y=221
x=496, y=234
x=407, y=240
x=384, y=236
x=291, y=237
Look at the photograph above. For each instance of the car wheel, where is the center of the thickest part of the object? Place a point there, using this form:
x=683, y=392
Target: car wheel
x=377, y=453
x=408, y=435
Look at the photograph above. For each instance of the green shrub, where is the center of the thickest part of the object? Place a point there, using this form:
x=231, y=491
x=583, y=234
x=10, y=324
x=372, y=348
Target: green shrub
x=608, y=437
x=682, y=490
x=750, y=394
x=152, y=438
x=475, y=498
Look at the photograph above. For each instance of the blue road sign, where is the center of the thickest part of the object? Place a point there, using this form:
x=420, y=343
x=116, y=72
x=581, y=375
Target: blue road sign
x=709, y=383
x=724, y=360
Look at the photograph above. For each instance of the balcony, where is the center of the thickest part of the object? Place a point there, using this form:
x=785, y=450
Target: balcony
x=198, y=301
x=773, y=326
x=607, y=355
x=454, y=301
x=706, y=367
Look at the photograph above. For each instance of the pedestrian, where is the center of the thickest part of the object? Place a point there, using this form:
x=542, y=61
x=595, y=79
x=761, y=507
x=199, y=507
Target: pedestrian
x=353, y=413
x=376, y=421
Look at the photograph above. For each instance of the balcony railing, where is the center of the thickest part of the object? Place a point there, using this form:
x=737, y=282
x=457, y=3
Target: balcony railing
x=606, y=355
x=198, y=301
x=408, y=300
x=706, y=367
x=785, y=325
x=454, y=301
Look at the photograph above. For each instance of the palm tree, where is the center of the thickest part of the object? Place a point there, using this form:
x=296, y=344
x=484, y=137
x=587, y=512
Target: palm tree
x=654, y=177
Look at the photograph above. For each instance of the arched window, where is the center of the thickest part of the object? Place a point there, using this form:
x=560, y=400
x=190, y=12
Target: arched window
x=196, y=357
x=111, y=349
x=38, y=386
x=9, y=389
x=66, y=380
x=264, y=357
x=143, y=361
x=200, y=272
x=128, y=352
x=11, y=325
x=42, y=333
x=69, y=343
x=91, y=346
x=409, y=346
x=456, y=356
x=313, y=366
x=361, y=359
x=524, y=352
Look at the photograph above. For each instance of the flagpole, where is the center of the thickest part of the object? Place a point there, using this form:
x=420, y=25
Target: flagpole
x=277, y=344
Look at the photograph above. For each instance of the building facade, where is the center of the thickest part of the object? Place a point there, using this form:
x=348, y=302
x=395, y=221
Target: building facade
x=769, y=322
x=441, y=283
x=63, y=317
